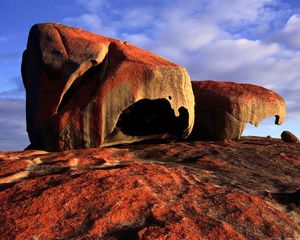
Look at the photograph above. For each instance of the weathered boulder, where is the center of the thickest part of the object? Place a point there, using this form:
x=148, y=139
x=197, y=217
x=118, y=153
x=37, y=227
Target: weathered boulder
x=175, y=191
x=85, y=90
x=287, y=136
x=224, y=108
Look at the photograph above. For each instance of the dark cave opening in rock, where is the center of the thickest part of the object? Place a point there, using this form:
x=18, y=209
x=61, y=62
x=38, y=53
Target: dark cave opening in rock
x=149, y=117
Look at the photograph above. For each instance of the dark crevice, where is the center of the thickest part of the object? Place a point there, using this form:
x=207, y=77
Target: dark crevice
x=125, y=234
x=277, y=118
x=4, y=186
x=152, y=221
x=288, y=198
x=192, y=159
x=115, y=167
x=76, y=175
x=149, y=117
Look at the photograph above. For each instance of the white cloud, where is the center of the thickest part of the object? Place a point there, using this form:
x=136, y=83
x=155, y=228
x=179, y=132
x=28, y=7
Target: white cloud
x=137, y=17
x=250, y=61
x=225, y=56
x=140, y=40
x=290, y=34
x=237, y=10
x=186, y=34
x=17, y=92
x=292, y=24
x=91, y=22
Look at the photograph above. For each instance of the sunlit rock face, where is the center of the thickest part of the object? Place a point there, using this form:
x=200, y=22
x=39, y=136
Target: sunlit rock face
x=85, y=90
x=224, y=108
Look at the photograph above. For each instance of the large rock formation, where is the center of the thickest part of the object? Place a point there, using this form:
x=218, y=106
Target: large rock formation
x=224, y=108
x=246, y=189
x=85, y=90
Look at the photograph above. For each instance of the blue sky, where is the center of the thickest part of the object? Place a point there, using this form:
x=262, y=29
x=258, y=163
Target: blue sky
x=251, y=41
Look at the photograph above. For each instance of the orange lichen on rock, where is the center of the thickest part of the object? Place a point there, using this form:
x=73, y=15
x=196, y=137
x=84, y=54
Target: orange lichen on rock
x=154, y=191
x=224, y=108
x=85, y=90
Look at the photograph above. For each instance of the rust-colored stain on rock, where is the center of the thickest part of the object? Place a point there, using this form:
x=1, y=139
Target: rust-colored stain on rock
x=78, y=84
x=246, y=189
x=224, y=108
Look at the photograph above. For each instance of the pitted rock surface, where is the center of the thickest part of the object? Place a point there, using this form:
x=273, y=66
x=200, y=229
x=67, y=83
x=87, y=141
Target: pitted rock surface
x=224, y=108
x=85, y=90
x=245, y=189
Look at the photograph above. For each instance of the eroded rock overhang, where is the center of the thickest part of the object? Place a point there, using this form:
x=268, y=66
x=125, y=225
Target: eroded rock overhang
x=82, y=89
x=224, y=108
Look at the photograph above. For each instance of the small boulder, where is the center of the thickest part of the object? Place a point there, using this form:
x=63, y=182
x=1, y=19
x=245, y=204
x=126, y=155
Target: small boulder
x=287, y=136
x=224, y=108
x=85, y=90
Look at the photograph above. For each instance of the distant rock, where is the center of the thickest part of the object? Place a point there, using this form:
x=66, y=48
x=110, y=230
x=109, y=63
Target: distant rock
x=287, y=136
x=224, y=108
x=248, y=189
x=85, y=90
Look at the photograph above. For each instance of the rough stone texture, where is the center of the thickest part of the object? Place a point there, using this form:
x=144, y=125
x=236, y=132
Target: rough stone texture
x=246, y=189
x=287, y=136
x=81, y=87
x=224, y=108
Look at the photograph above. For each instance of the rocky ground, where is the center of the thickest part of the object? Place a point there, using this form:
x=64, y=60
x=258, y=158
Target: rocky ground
x=246, y=189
